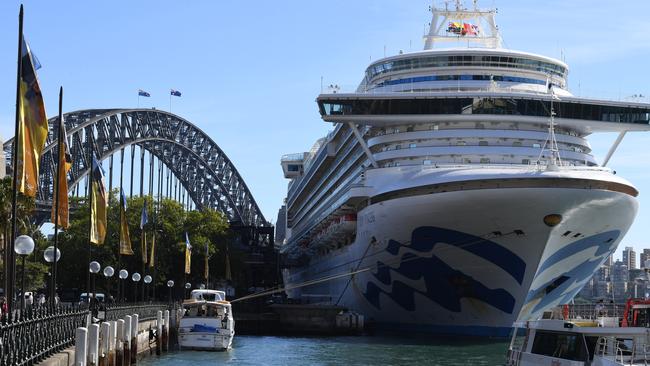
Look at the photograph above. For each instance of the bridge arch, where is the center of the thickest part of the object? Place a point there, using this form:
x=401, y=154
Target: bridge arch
x=201, y=167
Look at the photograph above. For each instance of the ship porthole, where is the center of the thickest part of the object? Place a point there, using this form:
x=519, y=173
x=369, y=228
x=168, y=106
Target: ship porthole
x=552, y=220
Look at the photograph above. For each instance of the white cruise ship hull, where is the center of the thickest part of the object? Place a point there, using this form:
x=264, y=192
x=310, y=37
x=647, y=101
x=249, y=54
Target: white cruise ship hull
x=473, y=261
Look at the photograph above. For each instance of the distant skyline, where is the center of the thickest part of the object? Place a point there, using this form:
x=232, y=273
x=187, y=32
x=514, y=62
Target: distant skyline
x=250, y=72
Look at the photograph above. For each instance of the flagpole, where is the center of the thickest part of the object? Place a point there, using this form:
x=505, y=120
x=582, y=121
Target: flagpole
x=10, y=269
x=56, y=198
x=120, y=285
x=170, y=107
x=90, y=212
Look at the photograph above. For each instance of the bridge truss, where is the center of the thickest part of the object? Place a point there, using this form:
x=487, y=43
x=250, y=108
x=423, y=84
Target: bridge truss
x=202, y=168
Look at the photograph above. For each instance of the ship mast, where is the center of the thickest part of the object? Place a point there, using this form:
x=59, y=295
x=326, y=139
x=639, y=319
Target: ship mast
x=474, y=26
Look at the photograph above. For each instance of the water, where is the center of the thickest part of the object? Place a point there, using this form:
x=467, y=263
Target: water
x=255, y=350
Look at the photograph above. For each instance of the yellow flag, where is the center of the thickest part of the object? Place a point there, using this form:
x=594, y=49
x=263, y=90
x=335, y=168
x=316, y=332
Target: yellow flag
x=206, y=270
x=125, y=238
x=32, y=124
x=143, y=246
x=99, y=205
x=61, y=186
x=153, y=248
x=188, y=254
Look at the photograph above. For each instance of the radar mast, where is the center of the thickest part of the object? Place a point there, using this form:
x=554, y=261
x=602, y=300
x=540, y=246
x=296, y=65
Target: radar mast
x=474, y=26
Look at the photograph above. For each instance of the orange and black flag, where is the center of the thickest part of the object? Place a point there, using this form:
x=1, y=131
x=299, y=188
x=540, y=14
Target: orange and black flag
x=99, y=205
x=32, y=124
x=61, y=186
x=125, y=238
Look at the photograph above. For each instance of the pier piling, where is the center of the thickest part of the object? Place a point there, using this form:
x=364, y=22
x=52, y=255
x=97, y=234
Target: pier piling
x=119, y=343
x=105, y=335
x=93, y=344
x=159, y=328
x=134, y=339
x=127, y=340
x=81, y=340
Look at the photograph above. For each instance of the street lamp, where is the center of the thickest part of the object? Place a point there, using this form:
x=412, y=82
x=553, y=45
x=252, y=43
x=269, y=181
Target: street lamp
x=147, y=280
x=135, y=278
x=170, y=284
x=108, y=273
x=94, y=268
x=124, y=274
x=187, y=287
x=48, y=255
x=23, y=246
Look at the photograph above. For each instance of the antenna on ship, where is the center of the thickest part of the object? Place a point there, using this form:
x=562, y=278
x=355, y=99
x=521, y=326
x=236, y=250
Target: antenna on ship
x=551, y=140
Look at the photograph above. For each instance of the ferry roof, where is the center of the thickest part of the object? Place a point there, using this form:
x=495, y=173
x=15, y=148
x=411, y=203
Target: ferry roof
x=582, y=114
x=576, y=326
x=470, y=51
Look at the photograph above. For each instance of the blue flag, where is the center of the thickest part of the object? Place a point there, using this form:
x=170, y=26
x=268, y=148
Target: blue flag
x=143, y=217
x=143, y=93
x=175, y=93
x=187, y=242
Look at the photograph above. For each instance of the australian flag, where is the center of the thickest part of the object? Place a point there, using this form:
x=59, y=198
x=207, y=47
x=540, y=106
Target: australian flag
x=143, y=93
x=175, y=93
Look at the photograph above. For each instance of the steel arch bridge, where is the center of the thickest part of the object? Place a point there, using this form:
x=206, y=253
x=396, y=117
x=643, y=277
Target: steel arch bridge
x=201, y=167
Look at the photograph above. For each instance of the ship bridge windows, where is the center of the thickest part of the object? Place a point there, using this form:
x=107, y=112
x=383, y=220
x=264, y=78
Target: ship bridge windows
x=499, y=78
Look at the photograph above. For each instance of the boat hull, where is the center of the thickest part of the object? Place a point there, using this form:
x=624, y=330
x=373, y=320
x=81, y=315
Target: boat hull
x=469, y=262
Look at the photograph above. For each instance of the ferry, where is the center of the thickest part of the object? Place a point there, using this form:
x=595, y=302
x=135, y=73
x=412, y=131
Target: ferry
x=457, y=192
x=207, y=323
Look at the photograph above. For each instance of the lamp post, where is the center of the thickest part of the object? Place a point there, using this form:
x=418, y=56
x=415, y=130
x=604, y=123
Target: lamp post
x=23, y=246
x=124, y=274
x=48, y=255
x=170, y=284
x=147, y=280
x=108, y=273
x=94, y=268
x=187, y=289
x=135, y=278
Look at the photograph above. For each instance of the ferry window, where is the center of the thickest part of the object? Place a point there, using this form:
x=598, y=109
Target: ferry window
x=537, y=145
x=426, y=162
x=412, y=146
x=409, y=129
x=467, y=161
x=482, y=143
x=397, y=147
x=561, y=345
x=461, y=143
x=485, y=160
x=525, y=161
x=516, y=143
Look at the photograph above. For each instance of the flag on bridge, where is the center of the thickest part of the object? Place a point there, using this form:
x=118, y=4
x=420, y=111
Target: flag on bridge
x=99, y=205
x=61, y=185
x=175, y=93
x=188, y=254
x=143, y=235
x=32, y=123
x=125, y=238
x=142, y=93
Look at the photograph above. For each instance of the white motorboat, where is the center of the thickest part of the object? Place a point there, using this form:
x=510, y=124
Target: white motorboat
x=576, y=342
x=207, y=323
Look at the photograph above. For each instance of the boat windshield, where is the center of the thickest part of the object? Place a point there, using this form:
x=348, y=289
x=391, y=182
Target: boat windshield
x=206, y=310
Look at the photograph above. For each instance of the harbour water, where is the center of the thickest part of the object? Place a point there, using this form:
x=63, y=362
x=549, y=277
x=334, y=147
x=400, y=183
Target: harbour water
x=386, y=351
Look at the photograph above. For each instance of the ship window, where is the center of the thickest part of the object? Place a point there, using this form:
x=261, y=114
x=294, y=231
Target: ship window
x=426, y=162
x=467, y=161
x=516, y=143
x=537, y=145
x=483, y=143
x=485, y=160
x=397, y=147
x=397, y=163
x=412, y=146
x=409, y=129
x=293, y=168
x=525, y=161
x=461, y=143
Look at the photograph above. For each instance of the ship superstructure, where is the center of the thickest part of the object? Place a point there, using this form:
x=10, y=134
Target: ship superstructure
x=458, y=189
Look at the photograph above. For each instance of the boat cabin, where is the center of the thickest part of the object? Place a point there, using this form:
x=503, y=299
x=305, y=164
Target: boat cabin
x=573, y=343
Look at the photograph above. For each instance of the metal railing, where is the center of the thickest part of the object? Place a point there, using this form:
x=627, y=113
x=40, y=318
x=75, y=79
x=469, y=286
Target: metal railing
x=35, y=334
x=145, y=311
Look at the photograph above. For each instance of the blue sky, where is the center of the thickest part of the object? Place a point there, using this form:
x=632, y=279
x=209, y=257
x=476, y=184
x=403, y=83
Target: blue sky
x=250, y=71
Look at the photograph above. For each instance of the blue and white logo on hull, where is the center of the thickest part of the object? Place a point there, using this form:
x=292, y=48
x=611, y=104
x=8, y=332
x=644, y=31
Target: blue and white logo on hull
x=443, y=284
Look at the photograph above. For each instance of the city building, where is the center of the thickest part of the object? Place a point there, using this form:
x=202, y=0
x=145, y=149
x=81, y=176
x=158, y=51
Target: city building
x=629, y=258
x=3, y=168
x=620, y=276
x=644, y=257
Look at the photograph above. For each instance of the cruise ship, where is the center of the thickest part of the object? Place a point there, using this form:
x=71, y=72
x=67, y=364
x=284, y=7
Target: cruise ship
x=457, y=192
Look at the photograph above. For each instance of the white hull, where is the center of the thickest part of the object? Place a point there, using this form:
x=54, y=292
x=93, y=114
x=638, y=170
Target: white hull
x=205, y=341
x=469, y=261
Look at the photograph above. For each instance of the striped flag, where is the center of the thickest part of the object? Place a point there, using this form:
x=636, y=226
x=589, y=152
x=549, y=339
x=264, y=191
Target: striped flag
x=188, y=254
x=99, y=205
x=32, y=124
x=61, y=186
x=125, y=238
